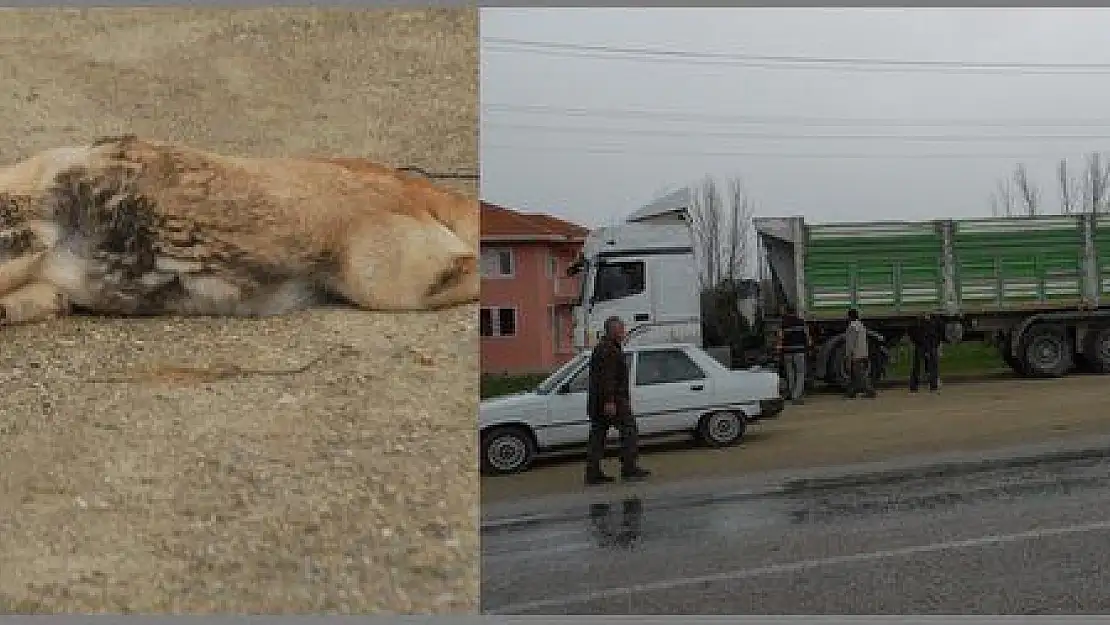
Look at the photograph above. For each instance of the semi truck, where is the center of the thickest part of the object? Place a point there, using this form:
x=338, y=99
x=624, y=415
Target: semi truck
x=1037, y=288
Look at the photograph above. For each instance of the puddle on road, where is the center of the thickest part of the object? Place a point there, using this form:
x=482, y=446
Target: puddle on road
x=631, y=524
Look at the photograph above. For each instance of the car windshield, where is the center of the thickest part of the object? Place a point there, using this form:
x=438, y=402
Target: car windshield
x=554, y=379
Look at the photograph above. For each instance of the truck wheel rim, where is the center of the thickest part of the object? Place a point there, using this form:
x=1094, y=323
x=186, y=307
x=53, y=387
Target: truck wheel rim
x=1046, y=352
x=724, y=428
x=507, y=452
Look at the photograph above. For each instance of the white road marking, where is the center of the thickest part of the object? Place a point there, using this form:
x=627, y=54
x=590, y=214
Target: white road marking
x=534, y=554
x=801, y=565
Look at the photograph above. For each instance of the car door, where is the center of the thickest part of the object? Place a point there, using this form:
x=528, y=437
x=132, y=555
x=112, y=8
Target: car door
x=670, y=391
x=569, y=424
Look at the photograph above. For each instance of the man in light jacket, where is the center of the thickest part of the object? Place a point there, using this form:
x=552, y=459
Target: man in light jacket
x=855, y=352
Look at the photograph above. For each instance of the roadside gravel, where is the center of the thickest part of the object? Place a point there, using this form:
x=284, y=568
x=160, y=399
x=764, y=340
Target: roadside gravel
x=192, y=465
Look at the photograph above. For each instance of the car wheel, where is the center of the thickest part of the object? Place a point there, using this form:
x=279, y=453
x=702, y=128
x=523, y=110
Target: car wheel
x=507, y=449
x=722, y=429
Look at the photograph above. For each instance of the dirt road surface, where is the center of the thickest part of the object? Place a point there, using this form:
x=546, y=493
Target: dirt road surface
x=831, y=431
x=321, y=462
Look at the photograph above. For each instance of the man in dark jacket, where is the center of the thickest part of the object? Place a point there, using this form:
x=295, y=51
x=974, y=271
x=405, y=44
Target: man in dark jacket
x=795, y=345
x=609, y=405
x=925, y=336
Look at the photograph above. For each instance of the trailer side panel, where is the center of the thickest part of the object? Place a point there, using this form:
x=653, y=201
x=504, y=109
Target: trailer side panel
x=1008, y=265
x=884, y=269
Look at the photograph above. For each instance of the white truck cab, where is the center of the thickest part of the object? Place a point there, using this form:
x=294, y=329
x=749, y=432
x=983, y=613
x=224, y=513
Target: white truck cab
x=646, y=274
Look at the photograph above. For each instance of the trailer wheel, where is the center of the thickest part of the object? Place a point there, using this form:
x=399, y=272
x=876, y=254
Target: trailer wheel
x=1015, y=363
x=1097, y=350
x=1046, y=351
x=836, y=371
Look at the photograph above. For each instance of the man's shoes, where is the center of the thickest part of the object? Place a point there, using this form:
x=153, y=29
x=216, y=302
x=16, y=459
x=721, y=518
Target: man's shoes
x=635, y=475
x=871, y=395
x=598, y=479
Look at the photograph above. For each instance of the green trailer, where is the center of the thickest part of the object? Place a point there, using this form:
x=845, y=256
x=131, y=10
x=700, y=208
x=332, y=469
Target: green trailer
x=1039, y=287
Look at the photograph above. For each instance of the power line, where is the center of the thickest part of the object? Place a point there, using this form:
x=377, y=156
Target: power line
x=635, y=150
x=801, y=120
x=617, y=150
x=645, y=54
x=662, y=132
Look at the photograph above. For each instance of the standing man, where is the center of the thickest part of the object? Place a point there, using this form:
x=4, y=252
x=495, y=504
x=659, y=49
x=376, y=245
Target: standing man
x=925, y=336
x=795, y=345
x=609, y=404
x=855, y=352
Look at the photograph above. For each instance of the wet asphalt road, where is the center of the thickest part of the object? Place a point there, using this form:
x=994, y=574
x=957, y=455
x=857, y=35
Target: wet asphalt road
x=1019, y=541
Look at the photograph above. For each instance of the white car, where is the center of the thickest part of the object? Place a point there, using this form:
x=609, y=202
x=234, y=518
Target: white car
x=676, y=388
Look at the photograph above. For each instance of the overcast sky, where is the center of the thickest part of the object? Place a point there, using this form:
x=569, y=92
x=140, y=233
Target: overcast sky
x=591, y=136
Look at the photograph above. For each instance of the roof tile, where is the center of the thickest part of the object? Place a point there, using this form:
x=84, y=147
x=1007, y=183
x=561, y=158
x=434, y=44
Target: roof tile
x=501, y=222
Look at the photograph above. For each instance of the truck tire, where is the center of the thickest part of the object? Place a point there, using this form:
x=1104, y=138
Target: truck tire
x=1097, y=350
x=1015, y=363
x=836, y=371
x=1046, y=351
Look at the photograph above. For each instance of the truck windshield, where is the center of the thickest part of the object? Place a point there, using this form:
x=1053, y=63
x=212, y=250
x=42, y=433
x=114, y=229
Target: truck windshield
x=616, y=280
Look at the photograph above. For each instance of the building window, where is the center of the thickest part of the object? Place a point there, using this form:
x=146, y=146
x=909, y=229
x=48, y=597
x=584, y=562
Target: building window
x=498, y=263
x=552, y=265
x=497, y=322
x=559, y=327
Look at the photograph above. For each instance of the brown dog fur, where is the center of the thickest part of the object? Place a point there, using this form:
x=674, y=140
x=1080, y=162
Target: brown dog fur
x=131, y=226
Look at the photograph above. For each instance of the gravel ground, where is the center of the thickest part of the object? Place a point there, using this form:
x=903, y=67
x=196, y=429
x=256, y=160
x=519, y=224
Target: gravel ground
x=832, y=431
x=317, y=462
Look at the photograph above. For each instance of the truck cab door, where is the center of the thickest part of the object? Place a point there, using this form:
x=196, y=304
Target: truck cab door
x=620, y=290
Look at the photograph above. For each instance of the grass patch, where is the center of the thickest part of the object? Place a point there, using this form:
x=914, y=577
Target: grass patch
x=961, y=358
x=500, y=385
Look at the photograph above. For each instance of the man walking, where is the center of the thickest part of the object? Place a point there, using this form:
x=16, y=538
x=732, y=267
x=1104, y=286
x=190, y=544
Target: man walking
x=925, y=336
x=795, y=346
x=855, y=352
x=609, y=404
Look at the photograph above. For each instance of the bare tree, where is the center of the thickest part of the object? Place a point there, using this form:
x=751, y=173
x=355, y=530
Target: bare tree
x=1029, y=195
x=1069, y=189
x=722, y=229
x=1002, y=200
x=740, y=243
x=1095, y=184
x=1086, y=190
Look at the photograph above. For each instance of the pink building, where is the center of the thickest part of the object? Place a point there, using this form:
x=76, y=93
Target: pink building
x=526, y=322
